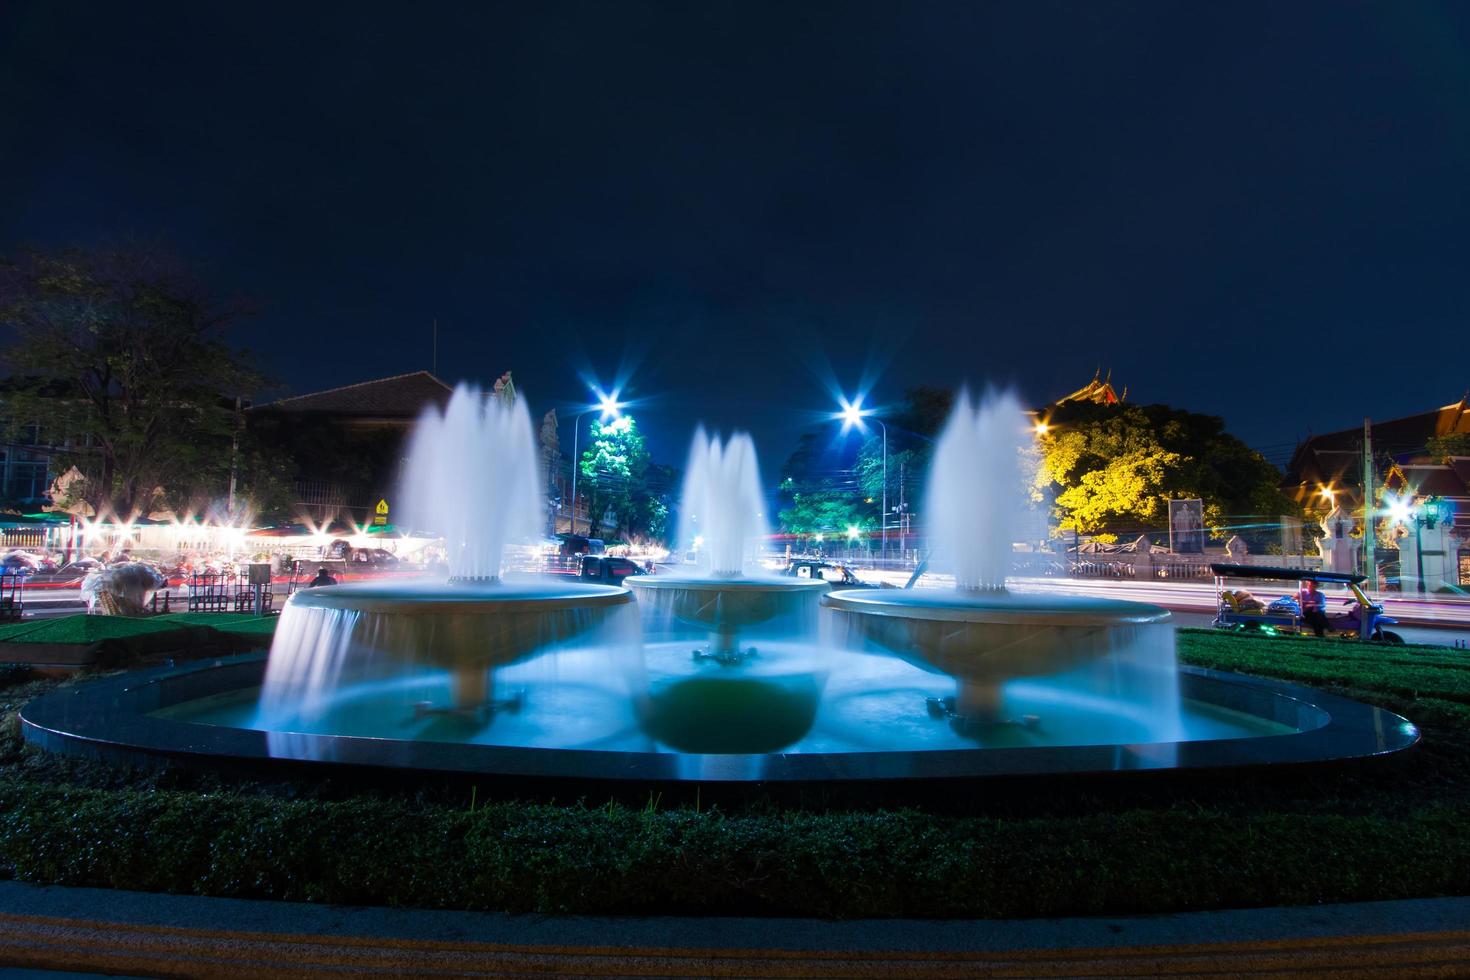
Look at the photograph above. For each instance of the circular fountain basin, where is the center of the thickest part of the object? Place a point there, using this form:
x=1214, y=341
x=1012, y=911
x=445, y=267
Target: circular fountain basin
x=723, y=603
x=986, y=639
x=870, y=727
x=468, y=624
x=996, y=635
x=330, y=634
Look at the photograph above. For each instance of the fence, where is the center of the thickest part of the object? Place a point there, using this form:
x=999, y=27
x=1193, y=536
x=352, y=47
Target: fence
x=224, y=592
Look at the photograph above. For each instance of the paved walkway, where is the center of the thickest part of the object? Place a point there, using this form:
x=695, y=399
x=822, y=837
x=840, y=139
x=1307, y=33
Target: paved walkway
x=101, y=931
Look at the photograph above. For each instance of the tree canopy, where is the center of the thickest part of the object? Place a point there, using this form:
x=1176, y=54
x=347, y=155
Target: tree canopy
x=619, y=477
x=820, y=496
x=1443, y=447
x=120, y=354
x=1113, y=468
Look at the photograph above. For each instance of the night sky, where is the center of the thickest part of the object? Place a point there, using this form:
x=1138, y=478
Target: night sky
x=1255, y=210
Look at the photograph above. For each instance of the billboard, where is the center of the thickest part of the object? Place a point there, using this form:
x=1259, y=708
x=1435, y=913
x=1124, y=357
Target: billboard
x=1187, y=527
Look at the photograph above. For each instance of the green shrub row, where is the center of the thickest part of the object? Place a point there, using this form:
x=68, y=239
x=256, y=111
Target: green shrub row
x=615, y=859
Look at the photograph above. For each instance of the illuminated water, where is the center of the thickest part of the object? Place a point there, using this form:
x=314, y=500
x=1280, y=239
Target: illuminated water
x=1108, y=663
x=725, y=660
x=722, y=508
x=577, y=698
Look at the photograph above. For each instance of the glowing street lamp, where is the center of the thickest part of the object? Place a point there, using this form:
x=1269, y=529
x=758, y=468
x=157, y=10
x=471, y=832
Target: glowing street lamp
x=610, y=408
x=852, y=414
x=1429, y=512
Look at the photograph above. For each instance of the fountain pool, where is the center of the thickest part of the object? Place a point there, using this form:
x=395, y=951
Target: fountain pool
x=721, y=676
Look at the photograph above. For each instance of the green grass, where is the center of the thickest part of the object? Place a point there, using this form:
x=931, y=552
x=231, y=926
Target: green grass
x=127, y=638
x=1394, y=830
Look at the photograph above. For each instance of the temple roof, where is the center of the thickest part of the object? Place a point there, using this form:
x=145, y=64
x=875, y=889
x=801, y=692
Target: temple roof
x=1099, y=390
x=1337, y=457
x=402, y=396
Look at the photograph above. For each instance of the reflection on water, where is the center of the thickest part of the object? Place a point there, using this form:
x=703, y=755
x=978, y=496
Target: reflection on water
x=787, y=698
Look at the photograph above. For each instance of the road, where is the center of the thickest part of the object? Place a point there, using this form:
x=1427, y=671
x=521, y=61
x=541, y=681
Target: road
x=1436, y=620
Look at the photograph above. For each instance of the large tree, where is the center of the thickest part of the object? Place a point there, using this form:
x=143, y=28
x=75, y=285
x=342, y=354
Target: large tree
x=819, y=495
x=1113, y=468
x=618, y=475
x=120, y=354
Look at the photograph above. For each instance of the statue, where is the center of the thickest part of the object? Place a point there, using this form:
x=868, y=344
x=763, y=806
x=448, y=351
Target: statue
x=1338, y=547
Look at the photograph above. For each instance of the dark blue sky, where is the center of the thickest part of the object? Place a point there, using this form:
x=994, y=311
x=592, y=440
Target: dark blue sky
x=1256, y=210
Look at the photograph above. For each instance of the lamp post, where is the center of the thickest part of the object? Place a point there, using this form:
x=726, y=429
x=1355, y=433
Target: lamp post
x=852, y=414
x=1426, y=514
x=610, y=407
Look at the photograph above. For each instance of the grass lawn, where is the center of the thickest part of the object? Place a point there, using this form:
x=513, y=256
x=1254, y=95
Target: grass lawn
x=1392, y=830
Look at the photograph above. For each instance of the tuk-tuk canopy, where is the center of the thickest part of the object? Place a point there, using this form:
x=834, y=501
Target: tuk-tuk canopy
x=1287, y=574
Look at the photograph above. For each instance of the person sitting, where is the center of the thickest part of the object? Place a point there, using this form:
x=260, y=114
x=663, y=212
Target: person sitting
x=323, y=577
x=1314, y=607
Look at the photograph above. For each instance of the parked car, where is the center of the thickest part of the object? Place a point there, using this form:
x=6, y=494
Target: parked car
x=604, y=568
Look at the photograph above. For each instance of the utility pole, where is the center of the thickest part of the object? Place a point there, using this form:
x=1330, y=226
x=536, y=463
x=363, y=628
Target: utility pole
x=434, y=362
x=903, y=512
x=1370, y=533
x=885, y=493
x=234, y=457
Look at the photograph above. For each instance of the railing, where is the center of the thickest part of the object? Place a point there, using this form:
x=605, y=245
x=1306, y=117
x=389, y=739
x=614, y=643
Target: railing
x=1103, y=568
x=24, y=537
x=12, y=594
x=1173, y=568
x=223, y=592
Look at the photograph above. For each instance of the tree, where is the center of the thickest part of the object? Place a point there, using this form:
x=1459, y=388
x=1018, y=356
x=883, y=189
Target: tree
x=1112, y=468
x=1451, y=444
x=911, y=434
x=818, y=499
x=119, y=353
x=615, y=469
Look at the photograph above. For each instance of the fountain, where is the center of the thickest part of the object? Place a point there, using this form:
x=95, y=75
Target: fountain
x=721, y=509
x=471, y=474
x=985, y=636
x=412, y=679
x=771, y=700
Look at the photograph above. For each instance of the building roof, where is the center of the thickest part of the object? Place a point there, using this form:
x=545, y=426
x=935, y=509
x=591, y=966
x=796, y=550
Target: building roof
x=402, y=396
x=1099, y=390
x=1336, y=458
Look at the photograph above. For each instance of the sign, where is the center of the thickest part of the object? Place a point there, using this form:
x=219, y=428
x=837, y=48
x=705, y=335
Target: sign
x=381, y=510
x=1187, y=527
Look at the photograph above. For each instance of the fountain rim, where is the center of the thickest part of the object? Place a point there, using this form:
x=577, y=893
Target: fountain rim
x=466, y=600
x=701, y=584
x=110, y=720
x=992, y=607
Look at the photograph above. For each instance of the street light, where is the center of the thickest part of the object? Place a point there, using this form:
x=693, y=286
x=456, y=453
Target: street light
x=610, y=407
x=852, y=414
x=1428, y=513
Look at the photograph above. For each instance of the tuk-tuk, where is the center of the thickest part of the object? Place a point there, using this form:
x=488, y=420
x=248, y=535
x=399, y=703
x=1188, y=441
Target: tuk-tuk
x=839, y=575
x=1356, y=616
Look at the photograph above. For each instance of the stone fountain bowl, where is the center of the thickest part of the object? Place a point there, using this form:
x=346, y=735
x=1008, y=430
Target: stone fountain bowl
x=724, y=605
x=465, y=626
x=989, y=637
